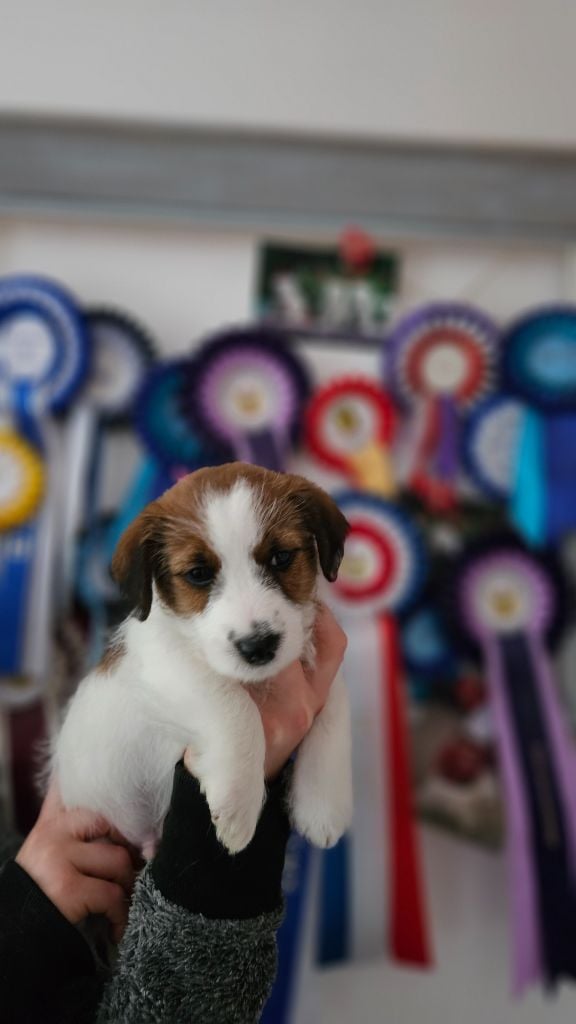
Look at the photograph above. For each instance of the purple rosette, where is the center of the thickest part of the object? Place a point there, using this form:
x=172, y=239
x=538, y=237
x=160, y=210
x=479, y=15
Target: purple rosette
x=246, y=389
x=509, y=602
x=440, y=361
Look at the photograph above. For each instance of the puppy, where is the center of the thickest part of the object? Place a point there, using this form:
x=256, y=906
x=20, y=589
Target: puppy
x=222, y=572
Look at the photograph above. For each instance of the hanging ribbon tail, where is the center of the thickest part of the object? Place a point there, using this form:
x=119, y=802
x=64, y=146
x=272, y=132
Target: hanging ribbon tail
x=561, y=950
x=79, y=439
x=18, y=549
x=27, y=729
x=427, y=425
x=527, y=951
x=372, y=469
x=16, y=553
x=334, y=909
x=447, y=454
x=278, y=1009
x=556, y=893
x=409, y=937
x=559, y=457
x=528, y=502
x=562, y=744
x=433, y=476
x=263, y=448
x=150, y=480
x=368, y=852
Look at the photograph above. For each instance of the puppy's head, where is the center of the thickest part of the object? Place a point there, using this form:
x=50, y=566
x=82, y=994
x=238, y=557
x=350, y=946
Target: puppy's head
x=233, y=554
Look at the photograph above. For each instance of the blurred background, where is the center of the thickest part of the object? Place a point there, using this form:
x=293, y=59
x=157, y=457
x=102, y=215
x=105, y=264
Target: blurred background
x=372, y=205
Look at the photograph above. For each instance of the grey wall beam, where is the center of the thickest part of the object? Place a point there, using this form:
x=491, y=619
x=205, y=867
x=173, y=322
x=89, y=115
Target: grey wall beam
x=266, y=182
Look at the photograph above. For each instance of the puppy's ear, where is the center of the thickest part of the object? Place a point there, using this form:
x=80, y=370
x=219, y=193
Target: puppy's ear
x=134, y=561
x=324, y=519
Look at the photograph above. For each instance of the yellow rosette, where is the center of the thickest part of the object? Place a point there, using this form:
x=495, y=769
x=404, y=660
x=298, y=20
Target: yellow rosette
x=21, y=480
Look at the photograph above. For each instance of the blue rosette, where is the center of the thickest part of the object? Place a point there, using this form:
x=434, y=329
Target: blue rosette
x=121, y=352
x=539, y=358
x=491, y=445
x=539, y=366
x=43, y=362
x=163, y=428
x=428, y=653
x=43, y=340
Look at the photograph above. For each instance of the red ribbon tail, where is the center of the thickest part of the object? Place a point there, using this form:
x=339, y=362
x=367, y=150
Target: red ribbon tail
x=27, y=728
x=421, y=480
x=409, y=936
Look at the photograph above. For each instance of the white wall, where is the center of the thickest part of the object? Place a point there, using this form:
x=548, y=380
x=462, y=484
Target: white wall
x=493, y=71
x=182, y=283
x=469, y=983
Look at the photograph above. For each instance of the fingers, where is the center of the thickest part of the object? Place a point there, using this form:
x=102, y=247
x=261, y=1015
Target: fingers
x=105, y=861
x=88, y=825
x=52, y=804
x=331, y=640
x=107, y=898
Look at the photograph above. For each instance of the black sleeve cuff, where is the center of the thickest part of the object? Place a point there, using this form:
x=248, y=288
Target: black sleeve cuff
x=41, y=953
x=194, y=870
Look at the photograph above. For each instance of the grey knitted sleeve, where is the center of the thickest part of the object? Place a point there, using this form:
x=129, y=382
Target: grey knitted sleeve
x=183, y=968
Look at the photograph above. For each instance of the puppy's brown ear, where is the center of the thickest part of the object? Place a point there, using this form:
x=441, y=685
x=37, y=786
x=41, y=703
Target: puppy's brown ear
x=324, y=519
x=133, y=563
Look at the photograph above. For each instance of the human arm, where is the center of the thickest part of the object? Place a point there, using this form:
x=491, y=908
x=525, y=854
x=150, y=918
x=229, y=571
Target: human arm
x=200, y=942
x=201, y=938
x=62, y=872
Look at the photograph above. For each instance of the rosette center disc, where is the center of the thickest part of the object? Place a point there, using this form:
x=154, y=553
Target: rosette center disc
x=507, y=594
x=492, y=443
x=27, y=351
x=446, y=362
x=553, y=360
x=350, y=424
x=12, y=476
x=116, y=369
x=444, y=368
x=250, y=396
x=369, y=563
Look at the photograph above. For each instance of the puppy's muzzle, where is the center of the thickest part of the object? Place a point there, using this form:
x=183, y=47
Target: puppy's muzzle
x=258, y=648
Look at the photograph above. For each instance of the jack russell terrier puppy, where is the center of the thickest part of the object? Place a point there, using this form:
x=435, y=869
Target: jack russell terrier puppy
x=222, y=572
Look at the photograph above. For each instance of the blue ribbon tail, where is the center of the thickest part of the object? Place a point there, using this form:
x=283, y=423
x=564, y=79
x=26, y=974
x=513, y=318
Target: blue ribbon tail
x=528, y=502
x=278, y=1009
x=150, y=480
x=560, y=455
x=334, y=924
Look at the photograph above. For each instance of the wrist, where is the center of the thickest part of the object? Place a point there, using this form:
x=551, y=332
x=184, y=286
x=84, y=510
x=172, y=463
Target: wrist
x=194, y=870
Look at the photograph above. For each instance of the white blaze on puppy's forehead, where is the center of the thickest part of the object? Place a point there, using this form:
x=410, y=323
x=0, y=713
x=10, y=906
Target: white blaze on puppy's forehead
x=233, y=520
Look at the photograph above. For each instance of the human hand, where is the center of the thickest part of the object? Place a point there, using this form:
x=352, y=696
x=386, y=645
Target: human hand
x=290, y=702
x=82, y=864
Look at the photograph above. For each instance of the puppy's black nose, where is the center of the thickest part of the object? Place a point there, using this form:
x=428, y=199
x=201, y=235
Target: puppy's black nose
x=258, y=648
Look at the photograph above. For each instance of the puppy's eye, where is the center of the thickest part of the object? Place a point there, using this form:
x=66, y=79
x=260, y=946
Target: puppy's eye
x=282, y=559
x=200, y=575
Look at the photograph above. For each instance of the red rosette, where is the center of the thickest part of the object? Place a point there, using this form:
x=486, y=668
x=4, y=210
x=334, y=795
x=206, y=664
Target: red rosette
x=361, y=390
x=475, y=363
x=386, y=568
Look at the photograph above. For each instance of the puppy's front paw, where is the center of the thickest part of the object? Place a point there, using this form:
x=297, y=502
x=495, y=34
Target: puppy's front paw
x=319, y=817
x=235, y=815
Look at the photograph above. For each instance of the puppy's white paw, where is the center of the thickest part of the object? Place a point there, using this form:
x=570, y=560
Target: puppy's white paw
x=235, y=813
x=319, y=817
